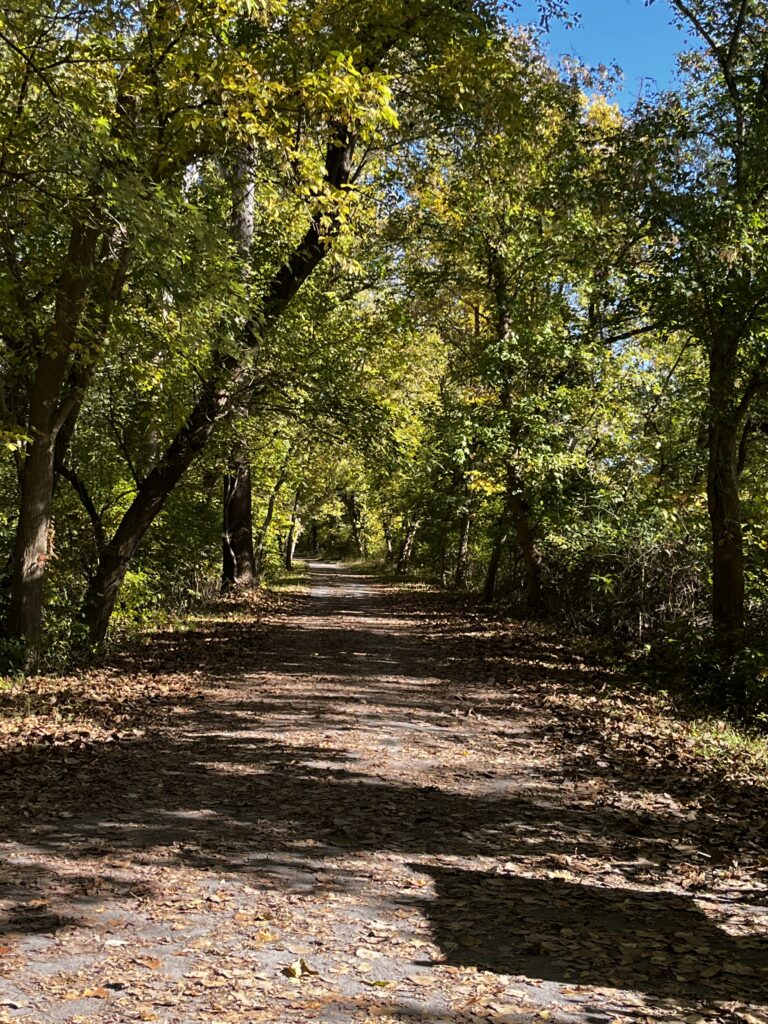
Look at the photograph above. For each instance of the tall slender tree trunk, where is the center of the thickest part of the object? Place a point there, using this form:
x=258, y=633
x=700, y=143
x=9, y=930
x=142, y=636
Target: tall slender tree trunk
x=355, y=514
x=47, y=413
x=727, y=537
x=494, y=562
x=406, y=548
x=388, y=544
x=526, y=539
x=723, y=498
x=261, y=543
x=462, y=556
x=294, y=532
x=238, y=560
x=228, y=572
x=261, y=540
x=32, y=543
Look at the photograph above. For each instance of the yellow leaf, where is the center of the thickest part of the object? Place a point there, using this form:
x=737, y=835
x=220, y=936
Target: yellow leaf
x=299, y=969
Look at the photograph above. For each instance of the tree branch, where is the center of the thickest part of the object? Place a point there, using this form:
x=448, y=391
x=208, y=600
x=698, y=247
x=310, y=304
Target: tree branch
x=634, y=333
x=80, y=489
x=758, y=383
x=724, y=58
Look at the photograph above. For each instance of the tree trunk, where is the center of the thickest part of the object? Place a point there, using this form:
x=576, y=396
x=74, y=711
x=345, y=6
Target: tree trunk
x=228, y=572
x=518, y=506
x=238, y=560
x=442, y=555
x=462, y=557
x=151, y=496
x=526, y=539
x=406, y=548
x=727, y=539
x=294, y=532
x=355, y=513
x=494, y=563
x=32, y=545
x=46, y=417
x=389, y=546
x=241, y=219
x=724, y=501
x=261, y=543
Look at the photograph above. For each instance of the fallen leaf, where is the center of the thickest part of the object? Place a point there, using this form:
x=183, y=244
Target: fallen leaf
x=299, y=969
x=151, y=962
x=367, y=954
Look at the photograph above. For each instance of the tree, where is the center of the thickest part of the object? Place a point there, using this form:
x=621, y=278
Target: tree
x=508, y=239
x=712, y=245
x=89, y=159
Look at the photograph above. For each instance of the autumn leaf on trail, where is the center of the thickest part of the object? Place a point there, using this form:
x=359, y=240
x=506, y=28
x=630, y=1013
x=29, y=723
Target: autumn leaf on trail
x=299, y=969
x=88, y=993
x=153, y=963
x=367, y=954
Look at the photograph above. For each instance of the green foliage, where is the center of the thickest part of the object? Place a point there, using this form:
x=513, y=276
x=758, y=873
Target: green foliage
x=528, y=314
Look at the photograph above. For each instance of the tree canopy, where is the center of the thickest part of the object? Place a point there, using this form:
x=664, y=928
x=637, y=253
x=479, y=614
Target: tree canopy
x=380, y=281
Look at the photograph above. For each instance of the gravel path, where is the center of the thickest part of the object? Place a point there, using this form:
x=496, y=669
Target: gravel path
x=363, y=809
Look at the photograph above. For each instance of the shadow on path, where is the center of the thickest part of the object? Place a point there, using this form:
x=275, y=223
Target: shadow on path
x=338, y=731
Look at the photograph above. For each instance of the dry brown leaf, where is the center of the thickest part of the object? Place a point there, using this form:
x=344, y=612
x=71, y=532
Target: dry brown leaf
x=150, y=962
x=421, y=979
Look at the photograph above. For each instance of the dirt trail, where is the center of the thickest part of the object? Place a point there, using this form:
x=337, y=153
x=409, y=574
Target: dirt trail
x=378, y=793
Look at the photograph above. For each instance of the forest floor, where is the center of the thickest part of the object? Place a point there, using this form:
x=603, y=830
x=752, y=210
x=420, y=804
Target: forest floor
x=365, y=804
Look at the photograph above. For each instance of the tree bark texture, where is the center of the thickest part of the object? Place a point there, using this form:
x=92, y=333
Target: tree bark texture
x=723, y=499
x=462, y=556
x=294, y=532
x=238, y=560
x=46, y=416
x=406, y=548
x=494, y=562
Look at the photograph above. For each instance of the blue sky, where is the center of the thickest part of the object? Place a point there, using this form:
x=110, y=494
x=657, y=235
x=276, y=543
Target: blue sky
x=640, y=39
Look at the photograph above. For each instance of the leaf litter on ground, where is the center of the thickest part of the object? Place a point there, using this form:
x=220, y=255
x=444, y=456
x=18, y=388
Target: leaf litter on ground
x=292, y=808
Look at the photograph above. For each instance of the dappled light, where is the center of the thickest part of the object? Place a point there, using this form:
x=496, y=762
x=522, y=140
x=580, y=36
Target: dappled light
x=410, y=800
x=384, y=512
